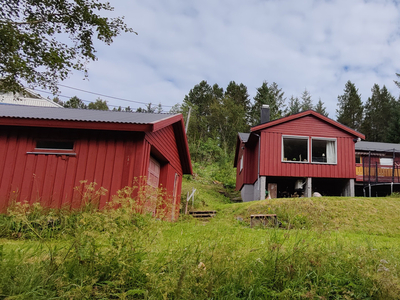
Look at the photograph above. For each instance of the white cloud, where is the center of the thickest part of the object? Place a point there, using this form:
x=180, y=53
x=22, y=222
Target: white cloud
x=312, y=44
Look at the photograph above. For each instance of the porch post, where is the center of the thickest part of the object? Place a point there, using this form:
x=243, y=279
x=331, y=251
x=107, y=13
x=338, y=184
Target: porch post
x=308, y=189
x=349, y=189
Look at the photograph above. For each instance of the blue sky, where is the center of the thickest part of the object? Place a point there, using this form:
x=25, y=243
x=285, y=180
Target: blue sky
x=308, y=44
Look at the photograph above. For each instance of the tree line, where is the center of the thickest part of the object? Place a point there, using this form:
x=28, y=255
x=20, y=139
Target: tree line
x=217, y=114
x=100, y=104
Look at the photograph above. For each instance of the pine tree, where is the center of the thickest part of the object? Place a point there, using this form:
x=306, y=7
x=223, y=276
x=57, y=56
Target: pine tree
x=393, y=134
x=271, y=95
x=294, y=106
x=306, y=102
x=350, y=111
x=319, y=108
x=378, y=113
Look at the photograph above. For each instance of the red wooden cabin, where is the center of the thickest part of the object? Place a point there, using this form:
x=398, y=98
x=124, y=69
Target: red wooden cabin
x=299, y=154
x=377, y=168
x=46, y=152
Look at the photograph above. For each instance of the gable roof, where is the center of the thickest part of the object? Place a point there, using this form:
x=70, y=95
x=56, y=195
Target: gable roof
x=304, y=114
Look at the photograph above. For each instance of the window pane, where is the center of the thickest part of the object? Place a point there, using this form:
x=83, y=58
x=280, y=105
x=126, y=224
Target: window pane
x=323, y=151
x=295, y=149
x=386, y=161
x=55, y=145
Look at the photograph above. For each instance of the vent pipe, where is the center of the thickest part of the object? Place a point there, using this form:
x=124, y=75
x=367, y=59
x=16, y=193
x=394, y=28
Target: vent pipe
x=264, y=114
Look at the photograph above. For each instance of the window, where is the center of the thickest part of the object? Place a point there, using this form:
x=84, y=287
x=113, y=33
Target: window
x=323, y=151
x=295, y=149
x=358, y=159
x=386, y=161
x=241, y=163
x=54, y=145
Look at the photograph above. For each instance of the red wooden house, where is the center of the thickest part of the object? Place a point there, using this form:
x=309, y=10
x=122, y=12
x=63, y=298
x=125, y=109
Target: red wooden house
x=46, y=152
x=377, y=168
x=299, y=154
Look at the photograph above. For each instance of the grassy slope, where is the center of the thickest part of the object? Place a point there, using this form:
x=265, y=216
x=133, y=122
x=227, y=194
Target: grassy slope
x=336, y=248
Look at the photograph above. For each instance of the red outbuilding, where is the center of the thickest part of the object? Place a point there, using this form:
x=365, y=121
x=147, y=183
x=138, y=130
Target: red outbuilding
x=296, y=155
x=46, y=152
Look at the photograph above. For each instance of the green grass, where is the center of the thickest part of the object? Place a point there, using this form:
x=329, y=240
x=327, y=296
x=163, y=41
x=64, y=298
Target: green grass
x=327, y=248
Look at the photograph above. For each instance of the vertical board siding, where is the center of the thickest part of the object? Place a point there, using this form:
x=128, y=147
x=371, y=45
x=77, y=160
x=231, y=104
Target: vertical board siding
x=241, y=174
x=107, y=159
x=165, y=142
x=271, y=150
x=112, y=160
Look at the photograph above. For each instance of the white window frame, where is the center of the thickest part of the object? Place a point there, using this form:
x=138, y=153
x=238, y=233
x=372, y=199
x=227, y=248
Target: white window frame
x=296, y=137
x=324, y=139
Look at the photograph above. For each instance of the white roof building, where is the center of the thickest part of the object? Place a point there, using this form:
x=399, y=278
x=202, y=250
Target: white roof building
x=30, y=98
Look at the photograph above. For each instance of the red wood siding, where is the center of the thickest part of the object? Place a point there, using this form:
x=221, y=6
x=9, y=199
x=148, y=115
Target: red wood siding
x=240, y=174
x=271, y=150
x=164, y=144
x=110, y=160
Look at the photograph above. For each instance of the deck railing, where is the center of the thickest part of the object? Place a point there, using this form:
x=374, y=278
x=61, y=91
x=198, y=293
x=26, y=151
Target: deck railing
x=376, y=173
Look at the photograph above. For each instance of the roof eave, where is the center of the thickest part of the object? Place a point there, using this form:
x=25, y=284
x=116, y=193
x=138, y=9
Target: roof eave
x=13, y=121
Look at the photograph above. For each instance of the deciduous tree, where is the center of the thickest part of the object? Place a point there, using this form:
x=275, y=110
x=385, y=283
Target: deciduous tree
x=99, y=104
x=75, y=102
x=42, y=41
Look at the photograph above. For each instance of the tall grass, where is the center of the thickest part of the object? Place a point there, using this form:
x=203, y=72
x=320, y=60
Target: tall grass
x=327, y=249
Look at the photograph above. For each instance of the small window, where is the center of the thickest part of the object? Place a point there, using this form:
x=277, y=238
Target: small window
x=295, y=149
x=385, y=161
x=241, y=163
x=358, y=159
x=323, y=151
x=54, y=145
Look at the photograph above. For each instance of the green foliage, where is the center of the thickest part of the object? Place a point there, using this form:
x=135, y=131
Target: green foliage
x=75, y=102
x=350, y=111
x=294, y=106
x=34, y=48
x=117, y=254
x=270, y=95
x=215, y=119
x=378, y=111
x=127, y=109
x=151, y=109
x=393, y=131
x=98, y=105
x=319, y=108
x=306, y=102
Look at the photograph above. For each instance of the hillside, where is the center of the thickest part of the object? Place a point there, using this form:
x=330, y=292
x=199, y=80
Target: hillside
x=326, y=248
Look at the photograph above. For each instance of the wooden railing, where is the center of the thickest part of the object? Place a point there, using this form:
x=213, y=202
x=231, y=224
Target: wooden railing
x=377, y=173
